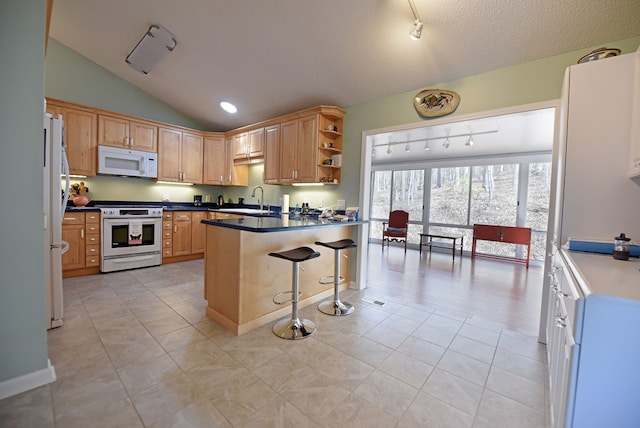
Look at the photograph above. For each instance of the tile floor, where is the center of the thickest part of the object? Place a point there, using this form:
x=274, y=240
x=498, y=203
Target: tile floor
x=136, y=350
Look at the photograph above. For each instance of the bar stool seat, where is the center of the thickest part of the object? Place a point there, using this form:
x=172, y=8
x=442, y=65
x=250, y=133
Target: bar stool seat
x=294, y=328
x=335, y=307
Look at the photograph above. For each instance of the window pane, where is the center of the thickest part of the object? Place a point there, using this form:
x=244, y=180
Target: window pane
x=494, y=195
x=449, y=195
x=538, y=195
x=381, y=195
x=408, y=192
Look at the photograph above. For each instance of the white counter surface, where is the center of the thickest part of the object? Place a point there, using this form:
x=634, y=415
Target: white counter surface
x=602, y=274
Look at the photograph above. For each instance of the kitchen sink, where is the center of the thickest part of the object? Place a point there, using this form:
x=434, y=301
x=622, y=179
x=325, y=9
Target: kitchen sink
x=247, y=211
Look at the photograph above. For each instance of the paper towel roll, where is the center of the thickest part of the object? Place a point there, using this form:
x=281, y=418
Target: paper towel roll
x=285, y=204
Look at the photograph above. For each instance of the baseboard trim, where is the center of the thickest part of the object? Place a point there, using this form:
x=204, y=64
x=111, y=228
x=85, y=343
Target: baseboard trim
x=27, y=381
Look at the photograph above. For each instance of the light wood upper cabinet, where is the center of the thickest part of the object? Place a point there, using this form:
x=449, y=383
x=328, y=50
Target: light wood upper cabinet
x=288, y=141
x=121, y=132
x=255, y=143
x=215, y=161
x=271, y=154
x=240, y=146
x=307, y=150
x=80, y=137
x=180, y=156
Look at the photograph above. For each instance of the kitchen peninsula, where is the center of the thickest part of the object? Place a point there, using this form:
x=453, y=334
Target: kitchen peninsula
x=240, y=278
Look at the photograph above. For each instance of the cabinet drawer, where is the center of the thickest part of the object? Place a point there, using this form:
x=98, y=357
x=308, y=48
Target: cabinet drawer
x=167, y=234
x=73, y=218
x=93, y=228
x=167, y=225
x=92, y=250
x=167, y=252
x=167, y=216
x=167, y=243
x=92, y=217
x=182, y=216
x=93, y=239
x=93, y=260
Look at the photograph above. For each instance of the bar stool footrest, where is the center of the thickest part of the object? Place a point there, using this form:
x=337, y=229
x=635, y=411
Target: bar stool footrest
x=284, y=302
x=329, y=279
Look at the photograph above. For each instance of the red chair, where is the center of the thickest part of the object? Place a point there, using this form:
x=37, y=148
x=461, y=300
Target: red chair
x=396, y=228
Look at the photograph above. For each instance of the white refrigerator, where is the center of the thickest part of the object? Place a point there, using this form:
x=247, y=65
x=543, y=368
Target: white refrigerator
x=55, y=167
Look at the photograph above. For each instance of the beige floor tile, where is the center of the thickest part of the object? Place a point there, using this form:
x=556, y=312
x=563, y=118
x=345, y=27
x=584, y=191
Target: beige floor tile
x=115, y=415
x=473, y=348
x=368, y=351
x=497, y=411
x=435, y=335
x=424, y=351
x=197, y=415
x=356, y=412
x=413, y=314
x=164, y=325
x=409, y=370
x=201, y=354
x=465, y=367
x=453, y=390
x=165, y=399
x=444, y=322
x=141, y=376
x=387, y=393
x=345, y=371
x=386, y=336
x=79, y=395
x=28, y=410
x=254, y=356
x=155, y=314
x=123, y=354
x=488, y=337
x=179, y=338
x=402, y=324
x=526, y=367
x=279, y=413
x=516, y=387
x=313, y=393
x=523, y=347
x=427, y=411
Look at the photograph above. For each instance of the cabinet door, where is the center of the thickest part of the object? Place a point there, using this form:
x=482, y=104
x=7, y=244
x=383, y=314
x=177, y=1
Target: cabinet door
x=307, y=150
x=181, y=233
x=288, y=138
x=143, y=136
x=255, y=145
x=215, y=161
x=74, y=258
x=113, y=131
x=240, y=146
x=169, y=145
x=192, y=158
x=81, y=139
x=198, y=232
x=238, y=174
x=271, y=154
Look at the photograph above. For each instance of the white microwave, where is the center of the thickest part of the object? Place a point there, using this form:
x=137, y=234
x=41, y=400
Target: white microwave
x=130, y=163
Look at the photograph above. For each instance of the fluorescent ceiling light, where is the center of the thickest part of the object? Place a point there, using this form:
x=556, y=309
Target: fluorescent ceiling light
x=228, y=107
x=154, y=45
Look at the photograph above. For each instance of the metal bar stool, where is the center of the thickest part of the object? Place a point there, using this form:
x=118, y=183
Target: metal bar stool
x=335, y=306
x=294, y=328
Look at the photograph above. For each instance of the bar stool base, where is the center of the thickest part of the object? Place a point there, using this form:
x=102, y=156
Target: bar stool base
x=336, y=308
x=294, y=329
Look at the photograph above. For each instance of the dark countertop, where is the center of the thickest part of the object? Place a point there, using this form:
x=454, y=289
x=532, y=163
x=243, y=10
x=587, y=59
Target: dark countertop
x=277, y=224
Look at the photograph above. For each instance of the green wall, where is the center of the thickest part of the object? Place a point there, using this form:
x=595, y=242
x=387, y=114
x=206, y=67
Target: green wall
x=23, y=339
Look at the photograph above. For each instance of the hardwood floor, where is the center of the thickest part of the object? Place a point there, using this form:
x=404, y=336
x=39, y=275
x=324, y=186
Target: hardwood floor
x=498, y=292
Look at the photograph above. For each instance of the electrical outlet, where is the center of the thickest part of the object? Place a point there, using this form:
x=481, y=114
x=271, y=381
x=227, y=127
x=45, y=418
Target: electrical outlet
x=165, y=197
x=341, y=204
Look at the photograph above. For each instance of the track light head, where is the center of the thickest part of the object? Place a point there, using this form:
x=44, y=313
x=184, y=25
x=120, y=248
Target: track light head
x=388, y=149
x=469, y=141
x=416, y=31
x=407, y=147
x=446, y=143
x=426, y=145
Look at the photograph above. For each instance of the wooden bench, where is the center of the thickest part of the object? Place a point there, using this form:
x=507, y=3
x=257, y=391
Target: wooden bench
x=507, y=234
x=452, y=245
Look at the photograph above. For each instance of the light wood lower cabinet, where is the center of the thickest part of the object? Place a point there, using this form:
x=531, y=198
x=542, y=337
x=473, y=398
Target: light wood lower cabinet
x=181, y=233
x=167, y=235
x=82, y=232
x=198, y=231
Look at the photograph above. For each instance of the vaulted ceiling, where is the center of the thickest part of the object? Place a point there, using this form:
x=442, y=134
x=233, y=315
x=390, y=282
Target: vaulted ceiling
x=274, y=57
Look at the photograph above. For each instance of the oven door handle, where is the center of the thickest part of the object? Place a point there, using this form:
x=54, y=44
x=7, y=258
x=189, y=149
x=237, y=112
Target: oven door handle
x=130, y=259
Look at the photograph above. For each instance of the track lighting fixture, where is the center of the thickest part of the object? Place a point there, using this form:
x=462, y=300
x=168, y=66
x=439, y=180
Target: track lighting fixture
x=407, y=148
x=389, y=148
x=426, y=145
x=469, y=141
x=446, y=143
x=416, y=31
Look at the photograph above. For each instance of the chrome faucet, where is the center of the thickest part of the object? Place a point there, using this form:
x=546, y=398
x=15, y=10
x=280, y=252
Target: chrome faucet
x=261, y=198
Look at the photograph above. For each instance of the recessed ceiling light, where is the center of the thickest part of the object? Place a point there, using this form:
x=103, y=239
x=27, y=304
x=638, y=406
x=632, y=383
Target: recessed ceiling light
x=228, y=107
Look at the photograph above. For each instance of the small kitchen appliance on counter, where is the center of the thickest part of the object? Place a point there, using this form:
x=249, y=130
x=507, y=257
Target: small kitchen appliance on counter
x=197, y=200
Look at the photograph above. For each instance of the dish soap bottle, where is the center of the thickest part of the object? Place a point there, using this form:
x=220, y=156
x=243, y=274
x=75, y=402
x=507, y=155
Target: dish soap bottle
x=621, y=247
